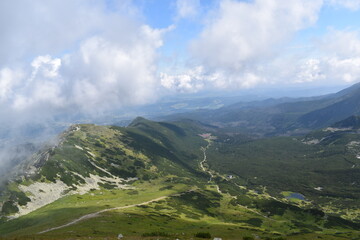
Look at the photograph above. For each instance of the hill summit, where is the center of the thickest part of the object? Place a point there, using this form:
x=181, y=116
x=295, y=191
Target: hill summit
x=184, y=180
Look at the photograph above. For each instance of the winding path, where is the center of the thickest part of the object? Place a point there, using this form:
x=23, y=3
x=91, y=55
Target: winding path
x=212, y=175
x=203, y=149
x=217, y=186
x=91, y=215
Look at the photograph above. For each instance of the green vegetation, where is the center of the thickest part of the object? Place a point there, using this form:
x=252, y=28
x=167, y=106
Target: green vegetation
x=352, y=122
x=9, y=207
x=203, y=235
x=323, y=172
x=278, y=188
x=284, y=116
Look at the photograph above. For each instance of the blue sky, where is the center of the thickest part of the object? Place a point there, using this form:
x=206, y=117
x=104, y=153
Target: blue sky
x=330, y=17
x=93, y=56
x=65, y=59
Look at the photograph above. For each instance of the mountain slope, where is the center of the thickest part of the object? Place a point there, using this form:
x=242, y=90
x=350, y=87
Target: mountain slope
x=352, y=122
x=281, y=116
x=333, y=113
x=166, y=180
x=90, y=156
x=323, y=166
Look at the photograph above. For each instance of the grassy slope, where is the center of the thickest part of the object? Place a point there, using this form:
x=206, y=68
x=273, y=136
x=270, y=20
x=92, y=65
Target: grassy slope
x=287, y=164
x=171, y=153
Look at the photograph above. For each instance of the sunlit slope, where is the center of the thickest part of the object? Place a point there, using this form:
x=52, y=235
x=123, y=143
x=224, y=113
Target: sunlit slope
x=88, y=157
x=323, y=167
x=169, y=180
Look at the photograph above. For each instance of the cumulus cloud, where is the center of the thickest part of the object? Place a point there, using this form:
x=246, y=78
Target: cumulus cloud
x=340, y=43
x=309, y=70
x=340, y=52
x=102, y=74
x=241, y=41
x=191, y=80
x=197, y=78
x=62, y=59
x=84, y=55
x=112, y=74
x=350, y=4
x=244, y=32
x=247, y=43
x=335, y=60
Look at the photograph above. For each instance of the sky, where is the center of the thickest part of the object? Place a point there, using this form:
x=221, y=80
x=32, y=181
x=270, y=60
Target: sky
x=89, y=55
x=61, y=60
x=71, y=57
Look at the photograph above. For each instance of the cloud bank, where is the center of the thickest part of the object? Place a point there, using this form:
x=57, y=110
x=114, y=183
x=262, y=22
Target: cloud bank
x=112, y=58
x=353, y=5
x=245, y=44
x=62, y=59
x=239, y=40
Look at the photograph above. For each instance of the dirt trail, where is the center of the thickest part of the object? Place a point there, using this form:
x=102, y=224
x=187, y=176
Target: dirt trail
x=212, y=175
x=91, y=215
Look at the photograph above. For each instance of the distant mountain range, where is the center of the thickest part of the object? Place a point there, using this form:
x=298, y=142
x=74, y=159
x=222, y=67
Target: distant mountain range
x=275, y=169
x=187, y=179
x=285, y=116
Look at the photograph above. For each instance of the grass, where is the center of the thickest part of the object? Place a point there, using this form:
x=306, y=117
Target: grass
x=74, y=206
x=287, y=164
x=165, y=157
x=170, y=219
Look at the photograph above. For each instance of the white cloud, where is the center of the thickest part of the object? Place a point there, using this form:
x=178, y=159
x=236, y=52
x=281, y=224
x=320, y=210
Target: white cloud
x=190, y=81
x=332, y=59
x=328, y=70
x=61, y=60
x=242, y=36
x=241, y=42
x=85, y=56
x=350, y=4
x=347, y=70
x=8, y=79
x=43, y=85
x=196, y=79
x=309, y=71
x=103, y=74
x=341, y=43
x=187, y=8
x=32, y=27
x=114, y=75
x=339, y=60
x=48, y=66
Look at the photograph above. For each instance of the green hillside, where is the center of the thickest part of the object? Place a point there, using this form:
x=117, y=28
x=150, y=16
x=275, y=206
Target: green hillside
x=323, y=166
x=333, y=113
x=352, y=122
x=279, y=117
x=185, y=180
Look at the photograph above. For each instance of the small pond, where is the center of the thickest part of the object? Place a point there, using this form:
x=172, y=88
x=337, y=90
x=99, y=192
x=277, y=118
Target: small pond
x=297, y=196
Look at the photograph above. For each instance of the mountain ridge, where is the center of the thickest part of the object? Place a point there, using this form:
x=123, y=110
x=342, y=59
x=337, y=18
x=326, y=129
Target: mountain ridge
x=280, y=116
x=109, y=171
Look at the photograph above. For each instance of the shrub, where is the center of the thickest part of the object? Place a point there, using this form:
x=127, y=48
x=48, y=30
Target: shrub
x=9, y=207
x=248, y=238
x=155, y=234
x=203, y=235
